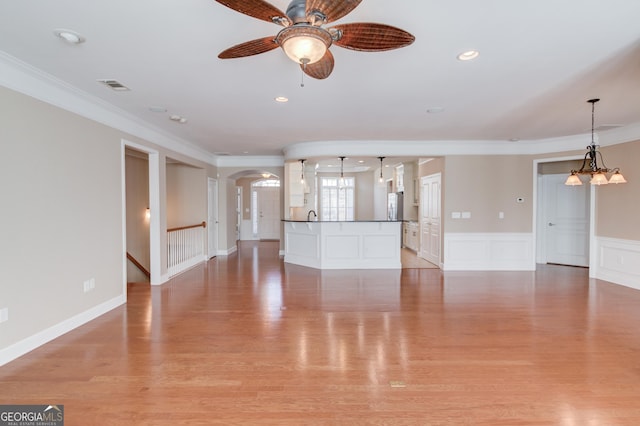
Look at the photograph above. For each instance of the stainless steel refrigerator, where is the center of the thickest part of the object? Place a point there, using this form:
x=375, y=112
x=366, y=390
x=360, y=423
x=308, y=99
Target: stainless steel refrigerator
x=394, y=205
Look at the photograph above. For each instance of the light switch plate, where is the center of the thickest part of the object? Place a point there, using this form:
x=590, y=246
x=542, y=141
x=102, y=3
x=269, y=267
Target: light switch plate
x=466, y=215
x=455, y=215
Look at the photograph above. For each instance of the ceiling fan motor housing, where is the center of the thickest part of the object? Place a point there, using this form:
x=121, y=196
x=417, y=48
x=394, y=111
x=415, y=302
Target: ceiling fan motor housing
x=297, y=13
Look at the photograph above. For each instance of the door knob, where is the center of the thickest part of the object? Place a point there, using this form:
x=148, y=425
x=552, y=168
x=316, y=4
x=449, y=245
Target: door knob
x=552, y=224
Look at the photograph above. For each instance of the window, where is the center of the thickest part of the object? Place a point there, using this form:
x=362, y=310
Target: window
x=336, y=203
x=270, y=183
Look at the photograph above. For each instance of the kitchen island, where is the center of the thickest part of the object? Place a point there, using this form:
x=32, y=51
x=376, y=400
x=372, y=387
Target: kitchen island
x=343, y=245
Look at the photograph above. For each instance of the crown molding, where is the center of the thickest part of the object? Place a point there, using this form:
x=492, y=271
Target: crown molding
x=28, y=80
x=441, y=148
x=251, y=161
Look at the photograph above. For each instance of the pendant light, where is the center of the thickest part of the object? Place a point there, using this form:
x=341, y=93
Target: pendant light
x=302, y=170
x=341, y=183
x=381, y=179
x=598, y=174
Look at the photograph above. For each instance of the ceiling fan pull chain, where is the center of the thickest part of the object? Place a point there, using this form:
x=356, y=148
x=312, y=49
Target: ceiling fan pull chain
x=303, y=62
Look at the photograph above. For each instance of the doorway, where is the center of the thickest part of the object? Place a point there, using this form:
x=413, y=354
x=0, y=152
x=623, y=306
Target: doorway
x=564, y=215
x=566, y=221
x=151, y=210
x=265, y=208
x=430, y=217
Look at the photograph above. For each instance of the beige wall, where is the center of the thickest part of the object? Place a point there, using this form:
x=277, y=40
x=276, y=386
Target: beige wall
x=485, y=186
x=618, y=206
x=186, y=195
x=435, y=165
x=364, y=195
x=61, y=186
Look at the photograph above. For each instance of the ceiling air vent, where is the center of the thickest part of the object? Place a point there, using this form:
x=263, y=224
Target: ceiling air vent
x=115, y=85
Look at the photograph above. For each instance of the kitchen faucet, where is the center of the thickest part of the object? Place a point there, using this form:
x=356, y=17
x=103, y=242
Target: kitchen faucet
x=309, y=215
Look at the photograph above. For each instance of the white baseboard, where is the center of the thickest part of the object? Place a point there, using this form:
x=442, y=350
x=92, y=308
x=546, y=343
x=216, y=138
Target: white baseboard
x=186, y=265
x=489, y=252
x=617, y=261
x=228, y=251
x=30, y=343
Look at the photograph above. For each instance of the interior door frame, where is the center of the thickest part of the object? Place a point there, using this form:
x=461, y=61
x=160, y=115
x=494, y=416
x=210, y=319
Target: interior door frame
x=212, y=212
x=155, y=234
x=539, y=241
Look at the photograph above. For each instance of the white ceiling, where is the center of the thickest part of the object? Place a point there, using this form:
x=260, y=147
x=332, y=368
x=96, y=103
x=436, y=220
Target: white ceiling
x=539, y=63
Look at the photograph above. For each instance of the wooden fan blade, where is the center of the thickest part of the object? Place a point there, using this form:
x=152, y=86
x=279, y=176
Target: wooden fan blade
x=332, y=9
x=249, y=48
x=369, y=37
x=321, y=69
x=258, y=9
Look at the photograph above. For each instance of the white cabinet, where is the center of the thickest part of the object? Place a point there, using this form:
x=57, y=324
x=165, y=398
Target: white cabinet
x=294, y=185
x=410, y=235
x=405, y=234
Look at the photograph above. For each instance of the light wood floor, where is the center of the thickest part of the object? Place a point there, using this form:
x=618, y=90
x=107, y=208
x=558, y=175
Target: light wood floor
x=250, y=340
x=410, y=260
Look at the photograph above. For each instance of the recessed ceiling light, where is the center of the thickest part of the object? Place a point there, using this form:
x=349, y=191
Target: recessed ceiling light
x=281, y=99
x=435, y=110
x=514, y=139
x=178, y=119
x=69, y=36
x=468, y=55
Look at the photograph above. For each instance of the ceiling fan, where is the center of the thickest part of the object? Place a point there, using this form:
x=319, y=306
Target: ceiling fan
x=306, y=41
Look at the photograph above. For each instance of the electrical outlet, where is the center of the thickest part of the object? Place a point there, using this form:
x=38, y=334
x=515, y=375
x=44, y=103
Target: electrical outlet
x=4, y=314
x=500, y=215
x=89, y=285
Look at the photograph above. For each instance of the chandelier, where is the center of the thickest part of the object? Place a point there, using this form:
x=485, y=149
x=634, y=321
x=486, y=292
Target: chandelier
x=598, y=174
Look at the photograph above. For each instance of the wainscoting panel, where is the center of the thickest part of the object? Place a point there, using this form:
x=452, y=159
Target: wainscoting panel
x=617, y=261
x=489, y=252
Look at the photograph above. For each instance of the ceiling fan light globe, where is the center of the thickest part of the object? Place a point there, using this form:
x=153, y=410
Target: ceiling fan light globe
x=304, y=44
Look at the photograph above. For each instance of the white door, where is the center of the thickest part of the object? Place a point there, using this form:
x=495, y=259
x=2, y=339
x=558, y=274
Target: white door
x=430, y=218
x=268, y=213
x=566, y=213
x=212, y=223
